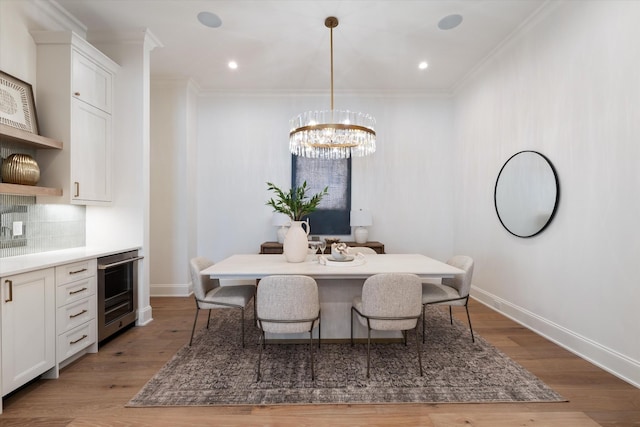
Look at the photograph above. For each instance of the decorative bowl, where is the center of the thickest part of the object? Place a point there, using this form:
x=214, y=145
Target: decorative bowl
x=339, y=251
x=20, y=169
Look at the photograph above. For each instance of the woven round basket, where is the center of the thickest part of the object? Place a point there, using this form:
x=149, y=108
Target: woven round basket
x=20, y=169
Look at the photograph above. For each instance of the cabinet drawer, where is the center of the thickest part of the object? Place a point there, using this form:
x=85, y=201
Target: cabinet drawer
x=71, y=342
x=75, y=271
x=91, y=83
x=75, y=291
x=75, y=314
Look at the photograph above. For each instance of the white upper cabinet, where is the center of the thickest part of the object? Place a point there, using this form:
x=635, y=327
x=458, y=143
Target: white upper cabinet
x=92, y=83
x=74, y=97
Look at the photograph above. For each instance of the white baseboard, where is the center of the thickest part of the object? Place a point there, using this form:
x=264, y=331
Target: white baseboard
x=170, y=290
x=144, y=316
x=611, y=361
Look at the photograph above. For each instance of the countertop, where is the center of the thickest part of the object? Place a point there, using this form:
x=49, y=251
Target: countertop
x=25, y=263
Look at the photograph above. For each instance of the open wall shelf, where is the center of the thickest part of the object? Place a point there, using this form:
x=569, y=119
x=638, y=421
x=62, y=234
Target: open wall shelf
x=27, y=138
x=31, y=140
x=28, y=190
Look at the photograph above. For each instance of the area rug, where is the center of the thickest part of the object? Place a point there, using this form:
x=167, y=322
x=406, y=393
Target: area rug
x=216, y=370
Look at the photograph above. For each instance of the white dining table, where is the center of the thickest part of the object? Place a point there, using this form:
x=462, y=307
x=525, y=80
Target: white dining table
x=338, y=282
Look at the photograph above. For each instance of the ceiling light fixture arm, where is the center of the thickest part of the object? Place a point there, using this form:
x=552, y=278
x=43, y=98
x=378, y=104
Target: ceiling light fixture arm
x=331, y=22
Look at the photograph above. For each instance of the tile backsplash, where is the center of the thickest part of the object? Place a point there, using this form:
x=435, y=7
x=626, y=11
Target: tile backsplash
x=27, y=227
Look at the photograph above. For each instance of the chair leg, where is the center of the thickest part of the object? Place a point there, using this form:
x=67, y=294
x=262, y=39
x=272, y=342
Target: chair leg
x=424, y=306
x=404, y=335
x=351, y=327
x=419, y=352
x=311, y=351
x=255, y=311
x=466, y=307
x=319, y=329
x=242, y=325
x=260, y=344
x=450, y=315
x=368, y=347
x=194, y=326
x=209, y=319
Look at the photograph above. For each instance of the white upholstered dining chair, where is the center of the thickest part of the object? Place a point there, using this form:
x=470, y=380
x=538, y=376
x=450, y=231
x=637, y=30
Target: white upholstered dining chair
x=362, y=250
x=210, y=295
x=389, y=302
x=451, y=291
x=288, y=304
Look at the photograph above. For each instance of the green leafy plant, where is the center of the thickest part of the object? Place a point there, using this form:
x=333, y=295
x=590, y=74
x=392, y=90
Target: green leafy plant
x=295, y=203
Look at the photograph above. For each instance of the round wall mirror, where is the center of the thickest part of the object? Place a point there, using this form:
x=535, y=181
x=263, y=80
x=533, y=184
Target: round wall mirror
x=526, y=194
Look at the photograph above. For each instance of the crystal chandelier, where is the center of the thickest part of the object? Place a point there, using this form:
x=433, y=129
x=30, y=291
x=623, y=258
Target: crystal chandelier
x=332, y=134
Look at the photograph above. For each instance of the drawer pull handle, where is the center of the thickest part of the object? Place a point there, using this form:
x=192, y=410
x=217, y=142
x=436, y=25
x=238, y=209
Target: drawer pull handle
x=78, y=271
x=78, y=340
x=10, y=291
x=78, y=291
x=71, y=316
x=77, y=186
x=76, y=93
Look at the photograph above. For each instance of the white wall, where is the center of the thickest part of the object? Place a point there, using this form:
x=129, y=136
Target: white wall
x=243, y=143
x=569, y=87
x=126, y=221
x=173, y=185
x=17, y=48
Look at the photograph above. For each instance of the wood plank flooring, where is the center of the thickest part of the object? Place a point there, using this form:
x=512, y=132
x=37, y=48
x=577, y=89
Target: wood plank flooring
x=93, y=390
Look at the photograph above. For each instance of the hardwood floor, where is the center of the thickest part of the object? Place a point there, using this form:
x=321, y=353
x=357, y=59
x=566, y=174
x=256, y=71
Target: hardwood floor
x=94, y=390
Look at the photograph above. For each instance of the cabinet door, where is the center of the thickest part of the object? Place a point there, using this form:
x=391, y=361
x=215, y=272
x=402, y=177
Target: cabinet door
x=90, y=154
x=91, y=83
x=28, y=327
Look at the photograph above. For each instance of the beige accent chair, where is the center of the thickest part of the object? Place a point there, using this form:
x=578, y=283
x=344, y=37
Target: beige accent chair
x=288, y=304
x=362, y=250
x=389, y=302
x=210, y=295
x=451, y=291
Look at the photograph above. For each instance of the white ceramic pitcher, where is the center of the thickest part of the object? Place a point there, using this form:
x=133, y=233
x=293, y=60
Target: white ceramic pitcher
x=296, y=244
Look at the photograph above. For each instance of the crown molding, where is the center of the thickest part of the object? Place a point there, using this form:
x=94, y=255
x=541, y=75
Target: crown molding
x=59, y=15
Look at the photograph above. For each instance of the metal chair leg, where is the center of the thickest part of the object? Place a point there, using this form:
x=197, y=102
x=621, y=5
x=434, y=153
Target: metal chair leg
x=424, y=306
x=351, y=326
x=260, y=344
x=319, y=329
x=209, y=319
x=368, y=347
x=311, y=351
x=419, y=352
x=194, y=326
x=450, y=315
x=242, y=325
x=469, y=319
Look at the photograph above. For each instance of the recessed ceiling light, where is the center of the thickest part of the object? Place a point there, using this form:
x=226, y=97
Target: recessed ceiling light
x=233, y=65
x=423, y=65
x=209, y=19
x=450, y=22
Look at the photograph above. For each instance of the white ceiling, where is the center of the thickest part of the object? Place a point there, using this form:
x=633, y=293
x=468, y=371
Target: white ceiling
x=283, y=45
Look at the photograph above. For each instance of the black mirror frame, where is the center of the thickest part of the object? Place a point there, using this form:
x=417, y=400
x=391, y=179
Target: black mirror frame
x=555, y=204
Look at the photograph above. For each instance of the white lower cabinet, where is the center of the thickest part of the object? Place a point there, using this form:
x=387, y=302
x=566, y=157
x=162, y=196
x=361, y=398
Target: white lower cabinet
x=28, y=327
x=76, y=307
x=48, y=320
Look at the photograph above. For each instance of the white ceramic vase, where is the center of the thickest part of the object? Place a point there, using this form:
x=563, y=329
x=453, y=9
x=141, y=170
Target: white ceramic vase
x=296, y=243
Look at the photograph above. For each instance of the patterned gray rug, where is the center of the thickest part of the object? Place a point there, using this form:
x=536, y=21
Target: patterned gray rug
x=216, y=370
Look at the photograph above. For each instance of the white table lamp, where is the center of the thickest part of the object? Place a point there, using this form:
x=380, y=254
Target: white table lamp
x=281, y=221
x=361, y=219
